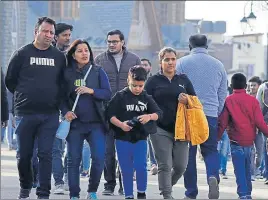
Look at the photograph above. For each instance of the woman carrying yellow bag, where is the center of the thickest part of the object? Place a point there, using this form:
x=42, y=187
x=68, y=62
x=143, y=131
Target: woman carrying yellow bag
x=167, y=89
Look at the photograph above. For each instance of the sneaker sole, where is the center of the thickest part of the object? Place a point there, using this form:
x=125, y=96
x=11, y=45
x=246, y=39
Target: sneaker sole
x=154, y=171
x=213, y=188
x=58, y=192
x=108, y=194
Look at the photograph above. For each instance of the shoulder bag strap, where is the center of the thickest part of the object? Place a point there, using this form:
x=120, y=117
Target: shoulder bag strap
x=84, y=80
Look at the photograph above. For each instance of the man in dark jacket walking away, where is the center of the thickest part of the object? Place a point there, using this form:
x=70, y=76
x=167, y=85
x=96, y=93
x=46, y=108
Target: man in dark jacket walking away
x=116, y=62
x=35, y=77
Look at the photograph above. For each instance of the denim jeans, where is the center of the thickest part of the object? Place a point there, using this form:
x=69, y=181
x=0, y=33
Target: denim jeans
x=10, y=131
x=241, y=157
x=151, y=152
x=257, y=155
x=211, y=157
x=86, y=156
x=35, y=162
x=95, y=136
x=3, y=132
x=132, y=156
x=265, y=160
x=42, y=127
x=223, y=148
x=57, y=164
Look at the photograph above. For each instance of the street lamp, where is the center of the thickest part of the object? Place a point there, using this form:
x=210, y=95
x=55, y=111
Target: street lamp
x=251, y=21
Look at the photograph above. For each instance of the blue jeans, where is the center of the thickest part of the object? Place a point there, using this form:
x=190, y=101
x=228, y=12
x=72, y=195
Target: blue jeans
x=223, y=148
x=57, y=164
x=265, y=160
x=42, y=127
x=151, y=152
x=3, y=131
x=241, y=157
x=132, y=156
x=257, y=155
x=95, y=136
x=10, y=131
x=211, y=157
x=86, y=156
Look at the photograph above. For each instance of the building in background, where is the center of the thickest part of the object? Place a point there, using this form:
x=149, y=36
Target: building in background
x=147, y=25
x=13, y=16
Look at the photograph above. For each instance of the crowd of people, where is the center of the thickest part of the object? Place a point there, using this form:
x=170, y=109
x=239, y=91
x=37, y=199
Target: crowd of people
x=126, y=116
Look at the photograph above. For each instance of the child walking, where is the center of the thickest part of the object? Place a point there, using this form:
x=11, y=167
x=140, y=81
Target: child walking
x=131, y=113
x=242, y=115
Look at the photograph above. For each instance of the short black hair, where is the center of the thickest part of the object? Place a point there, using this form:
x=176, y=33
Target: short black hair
x=61, y=27
x=145, y=59
x=138, y=73
x=116, y=32
x=198, y=40
x=165, y=50
x=44, y=19
x=239, y=81
x=255, y=79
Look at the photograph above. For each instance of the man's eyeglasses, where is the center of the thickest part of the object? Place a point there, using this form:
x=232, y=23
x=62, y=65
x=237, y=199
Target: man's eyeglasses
x=114, y=42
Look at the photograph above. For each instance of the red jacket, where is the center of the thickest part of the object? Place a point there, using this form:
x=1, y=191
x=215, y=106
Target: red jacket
x=242, y=115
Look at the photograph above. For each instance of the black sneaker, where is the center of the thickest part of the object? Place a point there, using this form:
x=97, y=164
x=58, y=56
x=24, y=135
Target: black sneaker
x=266, y=182
x=141, y=195
x=108, y=192
x=43, y=197
x=213, y=188
x=24, y=194
x=121, y=192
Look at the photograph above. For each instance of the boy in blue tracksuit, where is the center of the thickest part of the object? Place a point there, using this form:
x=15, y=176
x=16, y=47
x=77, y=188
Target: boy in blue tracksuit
x=132, y=113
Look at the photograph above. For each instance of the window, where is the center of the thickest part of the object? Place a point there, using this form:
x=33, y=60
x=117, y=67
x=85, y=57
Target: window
x=64, y=9
x=164, y=12
x=136, y=12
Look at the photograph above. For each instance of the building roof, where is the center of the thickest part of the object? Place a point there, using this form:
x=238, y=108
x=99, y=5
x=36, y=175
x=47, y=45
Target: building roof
x=96, y=19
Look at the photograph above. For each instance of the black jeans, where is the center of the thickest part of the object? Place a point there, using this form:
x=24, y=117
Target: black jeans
x=43, y=127
x=110, y=162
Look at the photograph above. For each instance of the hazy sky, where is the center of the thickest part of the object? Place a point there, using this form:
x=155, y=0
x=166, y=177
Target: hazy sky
x=229, y=11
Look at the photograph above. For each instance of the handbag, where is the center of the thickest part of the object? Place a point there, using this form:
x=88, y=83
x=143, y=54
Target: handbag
x=64, y=127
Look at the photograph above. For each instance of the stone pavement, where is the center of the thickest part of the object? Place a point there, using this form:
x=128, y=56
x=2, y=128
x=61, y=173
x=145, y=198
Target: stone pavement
x=10, y=184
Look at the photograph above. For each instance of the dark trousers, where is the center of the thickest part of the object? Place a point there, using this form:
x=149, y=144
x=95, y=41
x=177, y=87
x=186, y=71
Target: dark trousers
x=241, y=157
x=35, y=163
x=95, y=136
x=110, y=162
x=211, y=157
x=42, y=127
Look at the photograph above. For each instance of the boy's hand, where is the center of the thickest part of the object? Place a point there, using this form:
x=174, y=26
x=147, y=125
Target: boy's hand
x=144, y=118
x=125, y=127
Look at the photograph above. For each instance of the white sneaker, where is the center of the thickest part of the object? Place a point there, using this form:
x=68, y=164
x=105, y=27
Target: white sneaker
x=59, y=189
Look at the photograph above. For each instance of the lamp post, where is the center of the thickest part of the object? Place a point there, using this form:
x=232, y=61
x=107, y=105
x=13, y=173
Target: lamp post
x=250, y=22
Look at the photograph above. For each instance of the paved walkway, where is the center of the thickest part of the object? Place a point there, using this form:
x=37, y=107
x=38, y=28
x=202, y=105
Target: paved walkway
x=10, y=184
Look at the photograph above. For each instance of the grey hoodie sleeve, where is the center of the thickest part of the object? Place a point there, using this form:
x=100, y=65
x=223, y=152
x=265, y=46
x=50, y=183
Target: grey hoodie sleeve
x=259, y=95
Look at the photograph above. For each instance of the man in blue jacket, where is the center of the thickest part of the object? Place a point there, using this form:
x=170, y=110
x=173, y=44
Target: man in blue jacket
x=209, y=79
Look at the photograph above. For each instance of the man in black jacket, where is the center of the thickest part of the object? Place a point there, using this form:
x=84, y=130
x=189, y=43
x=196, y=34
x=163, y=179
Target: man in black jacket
x=35, y=77
x=4, y=106
x=116, y=62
